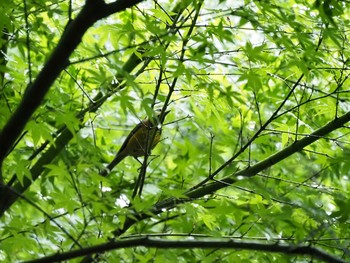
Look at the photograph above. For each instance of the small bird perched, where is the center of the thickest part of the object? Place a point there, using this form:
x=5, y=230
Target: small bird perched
x=135, y=144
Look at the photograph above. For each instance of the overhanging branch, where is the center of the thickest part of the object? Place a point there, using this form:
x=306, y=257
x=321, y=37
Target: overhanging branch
x=190, y=244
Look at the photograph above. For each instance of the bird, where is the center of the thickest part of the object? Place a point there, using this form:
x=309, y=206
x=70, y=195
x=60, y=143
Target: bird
x=135, y=144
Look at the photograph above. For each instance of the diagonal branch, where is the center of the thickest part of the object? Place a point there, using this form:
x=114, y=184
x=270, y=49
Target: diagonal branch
x=210, y=188
x=59, y=59
x=275, y=158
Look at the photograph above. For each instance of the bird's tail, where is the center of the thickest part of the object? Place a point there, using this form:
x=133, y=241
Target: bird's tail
x=117, y=159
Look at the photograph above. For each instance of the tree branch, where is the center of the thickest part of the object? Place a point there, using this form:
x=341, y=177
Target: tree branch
x=210, y=188
x=35, y=93
x=190, y=244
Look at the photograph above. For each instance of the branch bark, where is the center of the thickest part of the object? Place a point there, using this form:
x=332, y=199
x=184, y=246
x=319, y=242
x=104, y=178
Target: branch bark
x=58, y=60
x=190, y=244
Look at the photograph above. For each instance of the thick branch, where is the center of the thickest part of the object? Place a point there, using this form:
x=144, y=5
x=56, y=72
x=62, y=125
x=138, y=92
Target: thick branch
x=190, y=244
x=35, y=93
x=275, y=158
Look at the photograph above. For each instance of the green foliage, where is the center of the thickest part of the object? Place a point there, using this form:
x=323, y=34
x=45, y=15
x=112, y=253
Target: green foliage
x=243, y=81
